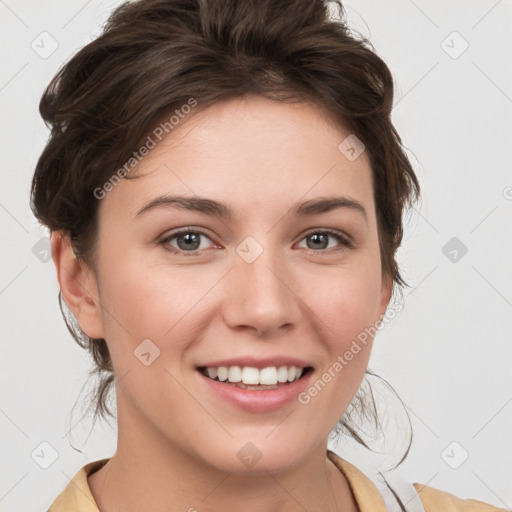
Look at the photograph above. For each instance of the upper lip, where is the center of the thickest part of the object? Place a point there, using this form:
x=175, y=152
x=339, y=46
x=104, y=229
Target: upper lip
x=257, y=362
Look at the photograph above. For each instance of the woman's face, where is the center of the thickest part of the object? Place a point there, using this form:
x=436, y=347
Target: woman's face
x=266, y=287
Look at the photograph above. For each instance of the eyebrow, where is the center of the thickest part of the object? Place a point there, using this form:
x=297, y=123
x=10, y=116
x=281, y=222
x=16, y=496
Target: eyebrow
x=222, y=210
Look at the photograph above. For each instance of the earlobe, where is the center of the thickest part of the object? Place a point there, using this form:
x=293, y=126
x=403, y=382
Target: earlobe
x=78, y=286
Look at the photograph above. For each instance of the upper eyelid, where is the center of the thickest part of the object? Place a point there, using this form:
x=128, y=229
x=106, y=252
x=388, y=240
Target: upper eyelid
x=179, y=231
x=329, y=231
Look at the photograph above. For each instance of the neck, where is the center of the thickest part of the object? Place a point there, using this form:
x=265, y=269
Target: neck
x=148, y=472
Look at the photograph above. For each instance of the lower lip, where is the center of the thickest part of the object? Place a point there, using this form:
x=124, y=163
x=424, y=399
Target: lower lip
x=258, y=400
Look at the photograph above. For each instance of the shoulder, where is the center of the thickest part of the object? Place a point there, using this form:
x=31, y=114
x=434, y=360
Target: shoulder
x=435, y=499
x=378, y=494
x=76, y=496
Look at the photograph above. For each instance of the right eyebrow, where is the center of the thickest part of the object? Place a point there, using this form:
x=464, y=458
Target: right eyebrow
x=198, y=204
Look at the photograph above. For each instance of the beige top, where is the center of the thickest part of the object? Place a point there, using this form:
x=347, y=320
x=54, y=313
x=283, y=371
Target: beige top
x=77, y=497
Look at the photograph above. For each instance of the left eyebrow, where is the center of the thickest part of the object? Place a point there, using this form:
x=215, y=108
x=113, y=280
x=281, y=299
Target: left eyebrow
x=219, y=209
x=327, y=204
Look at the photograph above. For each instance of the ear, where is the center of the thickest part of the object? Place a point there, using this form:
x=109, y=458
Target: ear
x=386, y=290
x=78, y=286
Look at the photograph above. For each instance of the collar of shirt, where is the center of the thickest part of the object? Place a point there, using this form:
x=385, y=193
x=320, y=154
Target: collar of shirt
x=77, y=496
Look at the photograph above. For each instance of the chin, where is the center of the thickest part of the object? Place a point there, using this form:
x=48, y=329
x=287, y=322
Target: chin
x=258, y=454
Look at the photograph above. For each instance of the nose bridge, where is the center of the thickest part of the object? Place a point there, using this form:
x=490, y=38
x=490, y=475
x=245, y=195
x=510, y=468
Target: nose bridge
x=259, y=294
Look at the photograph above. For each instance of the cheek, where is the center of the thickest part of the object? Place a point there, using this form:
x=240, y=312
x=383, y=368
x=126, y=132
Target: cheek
x=157, y=302
x=154, y=304
x=345, y=301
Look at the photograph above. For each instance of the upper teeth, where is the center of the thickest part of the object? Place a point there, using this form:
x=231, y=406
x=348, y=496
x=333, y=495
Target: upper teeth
x=250, y=375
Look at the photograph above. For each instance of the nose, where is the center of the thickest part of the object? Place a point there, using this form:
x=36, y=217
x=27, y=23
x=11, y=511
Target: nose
x=260, y=296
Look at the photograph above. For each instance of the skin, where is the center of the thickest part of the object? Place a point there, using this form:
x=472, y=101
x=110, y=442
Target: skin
x=297, y=298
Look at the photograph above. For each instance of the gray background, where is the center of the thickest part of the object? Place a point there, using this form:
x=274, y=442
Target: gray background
x=448, y=354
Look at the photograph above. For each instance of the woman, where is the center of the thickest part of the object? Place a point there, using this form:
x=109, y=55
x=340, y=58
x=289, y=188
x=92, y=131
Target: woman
x=225, y=191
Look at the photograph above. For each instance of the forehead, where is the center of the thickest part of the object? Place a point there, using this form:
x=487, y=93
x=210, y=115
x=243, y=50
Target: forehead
x=250, y=152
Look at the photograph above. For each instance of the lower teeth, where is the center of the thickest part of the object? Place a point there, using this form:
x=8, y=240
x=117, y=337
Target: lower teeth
x=252, y=386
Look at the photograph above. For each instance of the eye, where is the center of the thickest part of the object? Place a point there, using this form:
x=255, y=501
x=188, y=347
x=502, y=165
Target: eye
x=320, y=240
x=188, y=241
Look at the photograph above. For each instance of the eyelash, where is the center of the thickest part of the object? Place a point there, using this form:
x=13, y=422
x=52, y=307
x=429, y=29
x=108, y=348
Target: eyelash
x=345, y=242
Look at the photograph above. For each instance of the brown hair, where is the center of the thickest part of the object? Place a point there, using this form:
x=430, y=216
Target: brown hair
x=154, y=55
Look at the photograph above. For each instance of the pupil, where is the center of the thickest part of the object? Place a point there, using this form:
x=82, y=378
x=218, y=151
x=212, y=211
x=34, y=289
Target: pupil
x=316, y=237
x=188, y=237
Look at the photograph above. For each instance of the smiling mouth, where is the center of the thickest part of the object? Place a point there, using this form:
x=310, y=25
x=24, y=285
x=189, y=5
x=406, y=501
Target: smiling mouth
x=247, y=377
